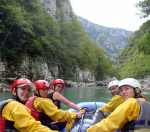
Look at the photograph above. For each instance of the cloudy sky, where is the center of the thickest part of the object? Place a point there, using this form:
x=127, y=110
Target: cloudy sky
x=109, y=13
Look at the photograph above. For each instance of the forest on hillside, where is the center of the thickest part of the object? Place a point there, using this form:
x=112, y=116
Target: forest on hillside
x=134, y=60
x=27, y=29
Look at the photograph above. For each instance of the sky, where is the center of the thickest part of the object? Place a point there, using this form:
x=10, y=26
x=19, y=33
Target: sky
x=109, y=13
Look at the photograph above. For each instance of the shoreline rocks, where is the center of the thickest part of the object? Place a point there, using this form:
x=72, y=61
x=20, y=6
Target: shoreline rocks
x=145, y=83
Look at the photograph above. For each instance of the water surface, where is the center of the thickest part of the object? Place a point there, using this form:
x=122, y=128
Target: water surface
x=76, y=95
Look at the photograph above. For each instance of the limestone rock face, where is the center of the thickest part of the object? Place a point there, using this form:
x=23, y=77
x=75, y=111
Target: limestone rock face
x=50, y=7
x=58, y=9
x=37, y=68
x=84, y=74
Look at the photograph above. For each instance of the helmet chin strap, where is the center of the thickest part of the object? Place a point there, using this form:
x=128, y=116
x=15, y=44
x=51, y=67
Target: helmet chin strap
x=38, y=95
x=54, y=87
x=16, y=97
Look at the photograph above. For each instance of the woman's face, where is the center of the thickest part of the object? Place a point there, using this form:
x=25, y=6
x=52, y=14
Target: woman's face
x=127, y=92
x=23, y=93
x=59, y=88
x=43, y=92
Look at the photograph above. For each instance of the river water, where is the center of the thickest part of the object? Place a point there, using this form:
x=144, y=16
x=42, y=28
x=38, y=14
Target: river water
x=76, y=95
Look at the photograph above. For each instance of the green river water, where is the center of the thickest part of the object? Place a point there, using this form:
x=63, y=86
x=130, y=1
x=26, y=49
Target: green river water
x=76, y=95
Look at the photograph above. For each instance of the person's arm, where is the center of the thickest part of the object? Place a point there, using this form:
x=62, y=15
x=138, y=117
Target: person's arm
x=23, y=121
x=113, y=104
x=58, y=96
x=46, y=106
x=127, y=111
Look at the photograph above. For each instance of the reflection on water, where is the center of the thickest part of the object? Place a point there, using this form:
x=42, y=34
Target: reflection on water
x=5, y=95
x=99, y=94
x=147, y=94
x=76, y=95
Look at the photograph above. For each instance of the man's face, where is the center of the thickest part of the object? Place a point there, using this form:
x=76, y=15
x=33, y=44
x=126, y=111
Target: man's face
x=114, y=90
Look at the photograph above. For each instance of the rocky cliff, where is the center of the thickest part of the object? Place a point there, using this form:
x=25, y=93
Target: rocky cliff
x=57, y=9
x=36, y=67
x=112, y=40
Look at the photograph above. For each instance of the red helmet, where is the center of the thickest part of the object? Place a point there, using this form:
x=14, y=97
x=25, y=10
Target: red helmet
x=58, y=81
x=23, y=82
x=40, y=84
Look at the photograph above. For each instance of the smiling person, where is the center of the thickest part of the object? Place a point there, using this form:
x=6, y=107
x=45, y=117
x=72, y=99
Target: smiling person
x=116, y=99
x=14, y=116
x=42, y=87
x=44, y=110
x=132, y=115
x=58, y=85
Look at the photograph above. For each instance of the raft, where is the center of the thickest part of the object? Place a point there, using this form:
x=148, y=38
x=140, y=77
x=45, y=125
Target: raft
x=88, y=106
x=92, y=116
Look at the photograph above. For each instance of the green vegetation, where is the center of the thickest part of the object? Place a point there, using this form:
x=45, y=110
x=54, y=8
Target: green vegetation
x=26, y=29
x=134, y=61
x=143, y=42
x=144, y=7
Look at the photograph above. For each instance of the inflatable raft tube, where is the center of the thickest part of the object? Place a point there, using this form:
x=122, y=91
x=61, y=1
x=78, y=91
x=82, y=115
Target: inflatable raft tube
x=91, y=107
x=91, y=117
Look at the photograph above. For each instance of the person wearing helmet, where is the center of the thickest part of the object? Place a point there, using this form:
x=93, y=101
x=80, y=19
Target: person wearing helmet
x=116, y=99
x=113, y=87
x=18, y=90
x=58, y=85
x=14, y=115
x=42, y=87
x=132, y=115
x=43, y=109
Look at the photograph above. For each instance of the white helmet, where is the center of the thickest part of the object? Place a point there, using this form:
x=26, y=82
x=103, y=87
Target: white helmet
x=131, y=82
x=113, y=83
